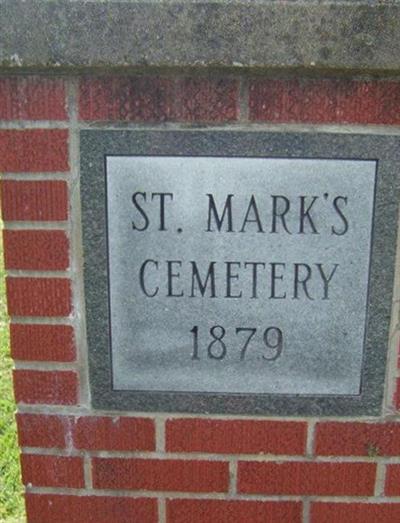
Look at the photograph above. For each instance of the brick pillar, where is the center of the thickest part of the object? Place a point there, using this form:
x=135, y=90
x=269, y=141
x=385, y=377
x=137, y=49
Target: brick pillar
x=81, y=465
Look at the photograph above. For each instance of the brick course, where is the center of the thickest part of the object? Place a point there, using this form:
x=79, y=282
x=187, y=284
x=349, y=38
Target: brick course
x=38, y=296
x=304, y=478
x=50, y=508
x=32, y=98
x=36, y=250
x=48, y=387
x=358, y=439
x=34, y=150
x=235, y=437
x=396, y=398
x=157, y=474
x=42, y=430
x=212, y=511
x=392, y=484
x=40, y=342
x=355, y=512
x=155, y=99
x=324, y=101
x=36, y=201
x=118, y=433
x=52, y=471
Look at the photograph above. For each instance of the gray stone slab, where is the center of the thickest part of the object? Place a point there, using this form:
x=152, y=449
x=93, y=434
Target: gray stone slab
x=334, y=350
x=337, y=36
x=162, y=285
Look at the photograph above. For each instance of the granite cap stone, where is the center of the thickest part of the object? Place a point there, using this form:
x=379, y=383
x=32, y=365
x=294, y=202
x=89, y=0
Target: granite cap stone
x=325, y=36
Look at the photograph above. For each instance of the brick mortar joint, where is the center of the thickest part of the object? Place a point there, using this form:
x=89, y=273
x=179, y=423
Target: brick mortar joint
x=87, y=411
x=165, y=495
x=231, y=458
x=238, y=124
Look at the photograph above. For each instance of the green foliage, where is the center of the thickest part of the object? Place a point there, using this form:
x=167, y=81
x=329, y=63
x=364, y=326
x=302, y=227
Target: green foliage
x=11, y=493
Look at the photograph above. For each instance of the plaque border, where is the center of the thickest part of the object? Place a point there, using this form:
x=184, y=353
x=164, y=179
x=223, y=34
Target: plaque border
x=95, y=145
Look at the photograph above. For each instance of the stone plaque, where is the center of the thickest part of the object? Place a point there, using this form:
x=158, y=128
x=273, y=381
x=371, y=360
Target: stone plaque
x=236, y=280
x=238, y=274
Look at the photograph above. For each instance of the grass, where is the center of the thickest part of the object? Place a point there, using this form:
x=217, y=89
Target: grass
x=11, y=492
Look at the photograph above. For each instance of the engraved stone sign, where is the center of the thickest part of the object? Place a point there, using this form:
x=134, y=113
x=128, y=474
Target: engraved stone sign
x=232, y=279
x=238, y=274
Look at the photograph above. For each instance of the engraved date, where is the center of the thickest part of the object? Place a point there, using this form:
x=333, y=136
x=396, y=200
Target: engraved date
x=216, y=348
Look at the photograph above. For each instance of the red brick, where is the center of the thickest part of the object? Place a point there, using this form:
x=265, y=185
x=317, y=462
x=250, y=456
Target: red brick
x=158, y=99
x=37, y=201
x=218, y=511
x=325, y=101
x=156, y=474
x=34, y=150
x=106, y=433
x=357, y=439
x=306, y=478
x=42, y=430
x=51, y=387
x=396, y=398
x=236, y=437
x=32, y=98
x=38, y=296
x=355, y=512
x=35, y=250
x=127, y=99
x=42, y=342
x=52, y=471
x=50, y=508
x=206, y=100
x=392, y=483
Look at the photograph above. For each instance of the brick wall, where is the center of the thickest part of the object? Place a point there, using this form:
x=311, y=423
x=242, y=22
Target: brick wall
x=84, y=466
